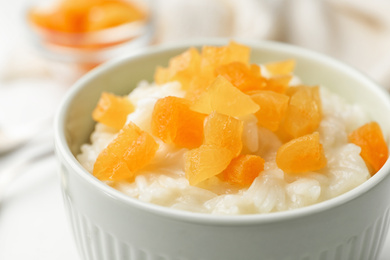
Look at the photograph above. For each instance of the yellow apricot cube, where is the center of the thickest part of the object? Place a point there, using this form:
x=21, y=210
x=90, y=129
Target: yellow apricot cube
x=301, y=155
x=224, y=98
x=112, y=110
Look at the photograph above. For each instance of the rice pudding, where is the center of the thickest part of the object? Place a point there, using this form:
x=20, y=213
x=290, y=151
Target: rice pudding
x=216, y=134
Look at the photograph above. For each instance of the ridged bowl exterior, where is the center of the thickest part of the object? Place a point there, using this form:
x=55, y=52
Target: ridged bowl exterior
x=107, y=225
x=142, y=235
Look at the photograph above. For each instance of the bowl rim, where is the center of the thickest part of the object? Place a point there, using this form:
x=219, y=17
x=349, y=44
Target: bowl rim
x=64, y=155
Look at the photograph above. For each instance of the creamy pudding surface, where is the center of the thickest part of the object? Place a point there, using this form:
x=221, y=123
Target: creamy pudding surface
x=259, y=159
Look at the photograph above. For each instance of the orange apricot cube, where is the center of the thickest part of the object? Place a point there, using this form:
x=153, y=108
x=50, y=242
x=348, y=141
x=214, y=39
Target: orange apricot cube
x=181, y=68
x=162, y=75
x=237, y=52
x=281, y=68
x=129, y=152
x=73, y=14
x=212, y=56
x=255, y=70
x=50, y=19
x=241, y=76
x=223, y=97
x=273, y=107
x=278, y=84
x=78, y=6
x=78, y=16
x=112, y=168
x=302, y=154
x=197, y=86
x=243, y=169
x=223, y=131
x=174, y=122
x=112, y=110
x=185, y=66
x=111, y=13
x=374, y=150
x=76, y=12
x=205, y=162
x=304, y=112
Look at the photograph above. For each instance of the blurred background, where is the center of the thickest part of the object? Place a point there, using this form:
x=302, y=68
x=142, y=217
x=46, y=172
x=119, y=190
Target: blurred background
x=47, y=45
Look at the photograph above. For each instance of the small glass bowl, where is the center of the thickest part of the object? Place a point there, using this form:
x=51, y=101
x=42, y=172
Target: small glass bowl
x=84, y=51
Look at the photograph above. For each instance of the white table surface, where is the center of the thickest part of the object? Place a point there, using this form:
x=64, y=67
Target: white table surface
x=33, y=223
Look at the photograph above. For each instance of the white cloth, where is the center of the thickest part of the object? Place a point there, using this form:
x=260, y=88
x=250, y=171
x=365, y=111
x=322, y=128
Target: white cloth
x=356, y=32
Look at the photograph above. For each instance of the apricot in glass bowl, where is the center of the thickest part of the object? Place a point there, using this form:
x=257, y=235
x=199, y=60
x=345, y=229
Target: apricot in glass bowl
x=89, y=32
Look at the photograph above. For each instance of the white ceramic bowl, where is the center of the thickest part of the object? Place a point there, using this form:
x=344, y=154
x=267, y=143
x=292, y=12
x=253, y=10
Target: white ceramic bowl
x=110, y=225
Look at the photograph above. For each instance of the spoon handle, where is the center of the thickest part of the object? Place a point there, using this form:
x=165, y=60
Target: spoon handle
x=14, y=169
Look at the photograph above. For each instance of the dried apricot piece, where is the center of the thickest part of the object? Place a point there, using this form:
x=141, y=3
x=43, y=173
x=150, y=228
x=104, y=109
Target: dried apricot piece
x=304, y=112
x=111, y=13
x=162, y=75
x=197, y=86
x=255, y=70
x=278, y=84
x=212, y=56
x=73, y=13
x=174, y=122
x=112, y=169
x=374, y=148
x=129, y=152
x=241, y=76
x=223, y=97
x=181, y=68
x=273, y=107
x=223, y=131
x=280, y=68
x=238, y=52
x=78, y=6
x=243, y=169
x=50, y=19
x=112, y=110
x=301, y=154
x=78, y=16
x=205, y=162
